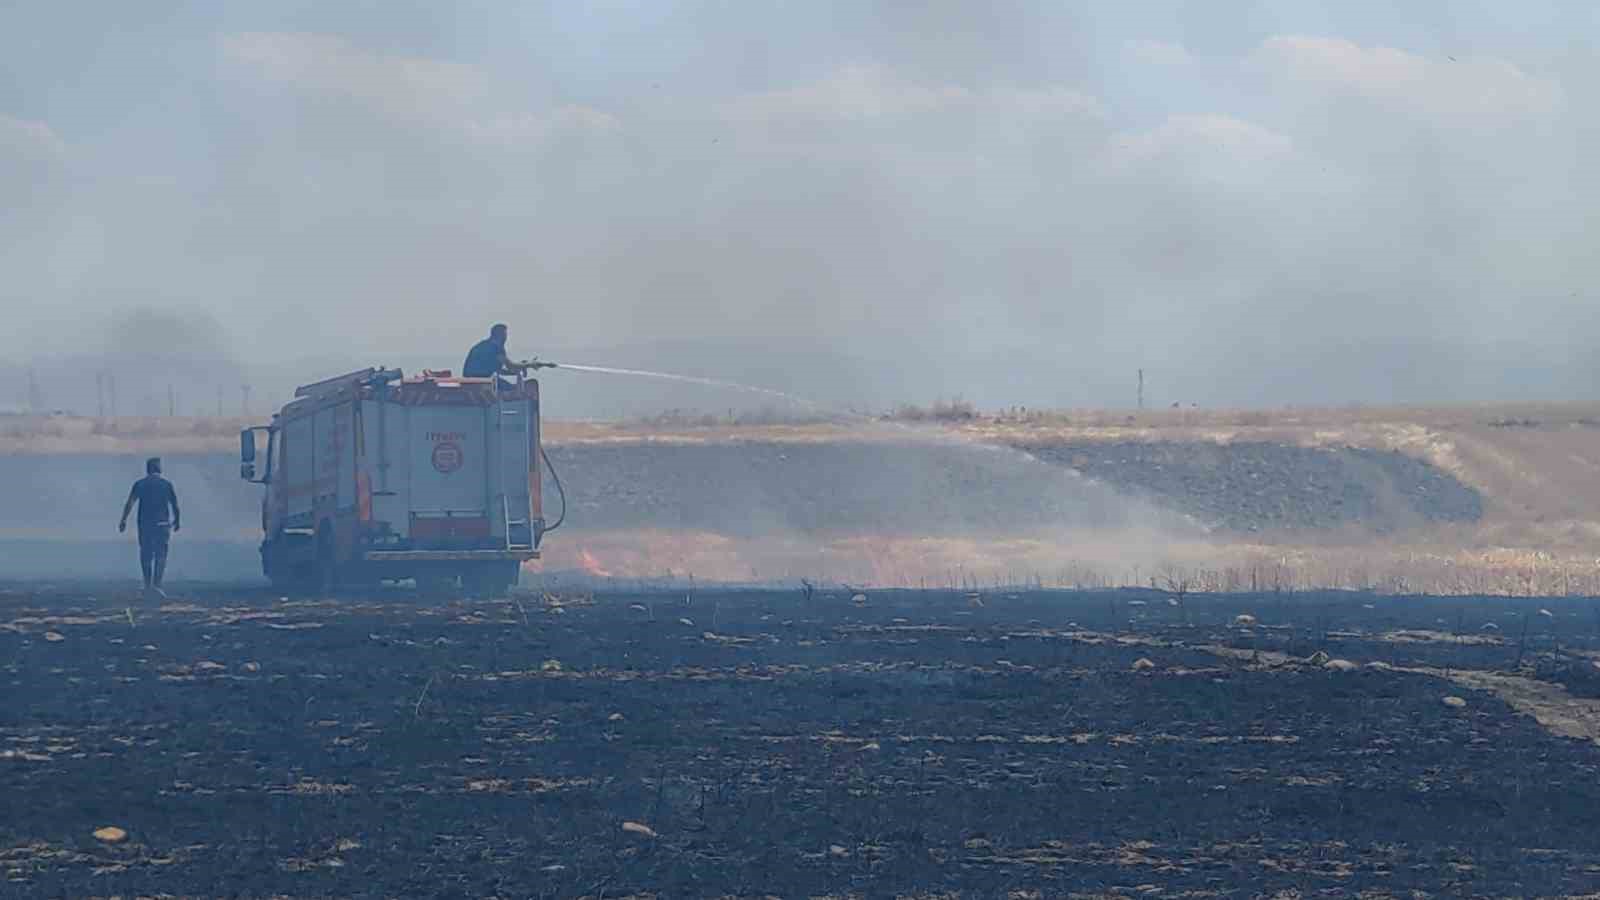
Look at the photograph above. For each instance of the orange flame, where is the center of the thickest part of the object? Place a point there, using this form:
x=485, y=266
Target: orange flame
x=589, y=564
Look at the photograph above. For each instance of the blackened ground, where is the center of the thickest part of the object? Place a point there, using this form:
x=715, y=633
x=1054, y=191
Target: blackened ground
x=912, y=743
x=1256, y=487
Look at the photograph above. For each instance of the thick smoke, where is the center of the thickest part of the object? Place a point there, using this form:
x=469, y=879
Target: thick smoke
x=862, y=203
x=140, y=361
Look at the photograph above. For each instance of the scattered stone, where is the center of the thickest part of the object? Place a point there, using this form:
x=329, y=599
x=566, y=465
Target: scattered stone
x=110, y=834
x=1340, y=665
x=251, y=667
x=1380, y=665
x=1143, y=665
x=639, y=829
x=54, y=637
x=837, y=850
x=859, y=599
x=686, y=622
x=871, y=745
x=1244, y=620
x=1547, y=614
x=1454, y=702
x=1490, y=626
x=1318, y=658
x=614, y=717
x=550, y=665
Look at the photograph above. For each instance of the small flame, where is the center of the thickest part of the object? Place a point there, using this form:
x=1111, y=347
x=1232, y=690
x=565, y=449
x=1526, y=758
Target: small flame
x=592, y=566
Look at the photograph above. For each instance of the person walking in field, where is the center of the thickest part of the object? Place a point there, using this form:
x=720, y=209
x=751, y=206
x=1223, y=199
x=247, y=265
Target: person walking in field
x=156, y=497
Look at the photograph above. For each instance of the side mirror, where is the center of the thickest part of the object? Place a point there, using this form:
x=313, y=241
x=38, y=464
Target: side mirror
x=247, y=446
x=247, y=471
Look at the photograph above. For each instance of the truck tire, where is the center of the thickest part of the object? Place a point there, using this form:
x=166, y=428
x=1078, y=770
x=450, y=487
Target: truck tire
x=437, y=584
x=487, y=581
x=327, y=570
x=284, y=567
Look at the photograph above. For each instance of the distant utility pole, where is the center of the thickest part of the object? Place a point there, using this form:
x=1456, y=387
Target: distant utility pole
x=244, y=404
x=1141, y=389
x=35, y=396
x=219, y=401
x=100, y=394
x=172, y=402
x=111, y=392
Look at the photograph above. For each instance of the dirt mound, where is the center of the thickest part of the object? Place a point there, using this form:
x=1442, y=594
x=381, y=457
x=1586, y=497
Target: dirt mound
x=1263, y=487
x=848, y=487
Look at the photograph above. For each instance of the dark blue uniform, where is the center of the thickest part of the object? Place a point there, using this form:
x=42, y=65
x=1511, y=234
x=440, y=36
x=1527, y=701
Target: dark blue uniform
x=483, y=360
x=156, y=497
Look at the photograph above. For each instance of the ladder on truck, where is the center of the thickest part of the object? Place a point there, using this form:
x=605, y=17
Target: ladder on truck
x=512, y=419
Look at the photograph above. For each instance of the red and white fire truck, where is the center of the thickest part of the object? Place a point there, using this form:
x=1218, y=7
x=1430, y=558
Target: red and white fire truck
x=373, y=476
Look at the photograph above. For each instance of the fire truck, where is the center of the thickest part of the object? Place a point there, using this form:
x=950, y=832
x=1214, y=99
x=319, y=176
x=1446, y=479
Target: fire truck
x=373, y=476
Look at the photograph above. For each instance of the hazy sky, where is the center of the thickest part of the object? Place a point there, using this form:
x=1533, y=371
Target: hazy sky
x=1263, y=202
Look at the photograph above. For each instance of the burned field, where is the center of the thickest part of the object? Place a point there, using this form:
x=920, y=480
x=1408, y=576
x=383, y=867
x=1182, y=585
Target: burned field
x=768, y=743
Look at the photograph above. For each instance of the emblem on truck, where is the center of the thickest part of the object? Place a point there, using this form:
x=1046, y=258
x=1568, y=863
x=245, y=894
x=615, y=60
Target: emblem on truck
x=447, y=457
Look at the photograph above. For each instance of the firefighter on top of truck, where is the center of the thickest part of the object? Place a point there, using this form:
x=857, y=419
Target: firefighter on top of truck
x=487, y=358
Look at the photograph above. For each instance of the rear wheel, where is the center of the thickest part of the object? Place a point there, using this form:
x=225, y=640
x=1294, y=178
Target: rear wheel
x=489, y=580
x=437, y=584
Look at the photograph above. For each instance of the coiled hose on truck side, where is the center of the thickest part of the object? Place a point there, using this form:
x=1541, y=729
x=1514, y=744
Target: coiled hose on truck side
x=560, y=491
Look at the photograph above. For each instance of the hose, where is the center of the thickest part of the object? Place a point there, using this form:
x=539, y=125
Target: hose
x=559, y=490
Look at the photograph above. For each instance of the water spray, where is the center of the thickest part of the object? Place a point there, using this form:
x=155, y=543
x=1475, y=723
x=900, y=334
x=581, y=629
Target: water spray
x=690, y=379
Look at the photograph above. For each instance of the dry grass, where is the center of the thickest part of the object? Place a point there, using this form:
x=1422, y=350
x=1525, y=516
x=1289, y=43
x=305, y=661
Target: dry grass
x=1087, y=560
x=947, y=411
x=72, y=434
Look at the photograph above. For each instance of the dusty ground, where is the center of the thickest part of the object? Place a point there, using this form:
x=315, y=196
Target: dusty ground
x=903, y=744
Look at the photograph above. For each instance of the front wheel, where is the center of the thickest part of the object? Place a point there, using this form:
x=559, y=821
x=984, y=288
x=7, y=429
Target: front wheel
x=327, y=570
x=285, y=562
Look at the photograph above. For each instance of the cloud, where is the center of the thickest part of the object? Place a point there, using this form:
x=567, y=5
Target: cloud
x=535, y=128
x=457, y=97
x=1477, y=91
x=406, y=87
x=856, y=92
x=1049, y=102
x=1184, y=140
x=1158, y=53
x=29, y=139
x=869, y=92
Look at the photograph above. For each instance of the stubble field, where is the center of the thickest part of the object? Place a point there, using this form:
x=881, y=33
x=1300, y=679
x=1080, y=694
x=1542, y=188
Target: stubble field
x=914, y=743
